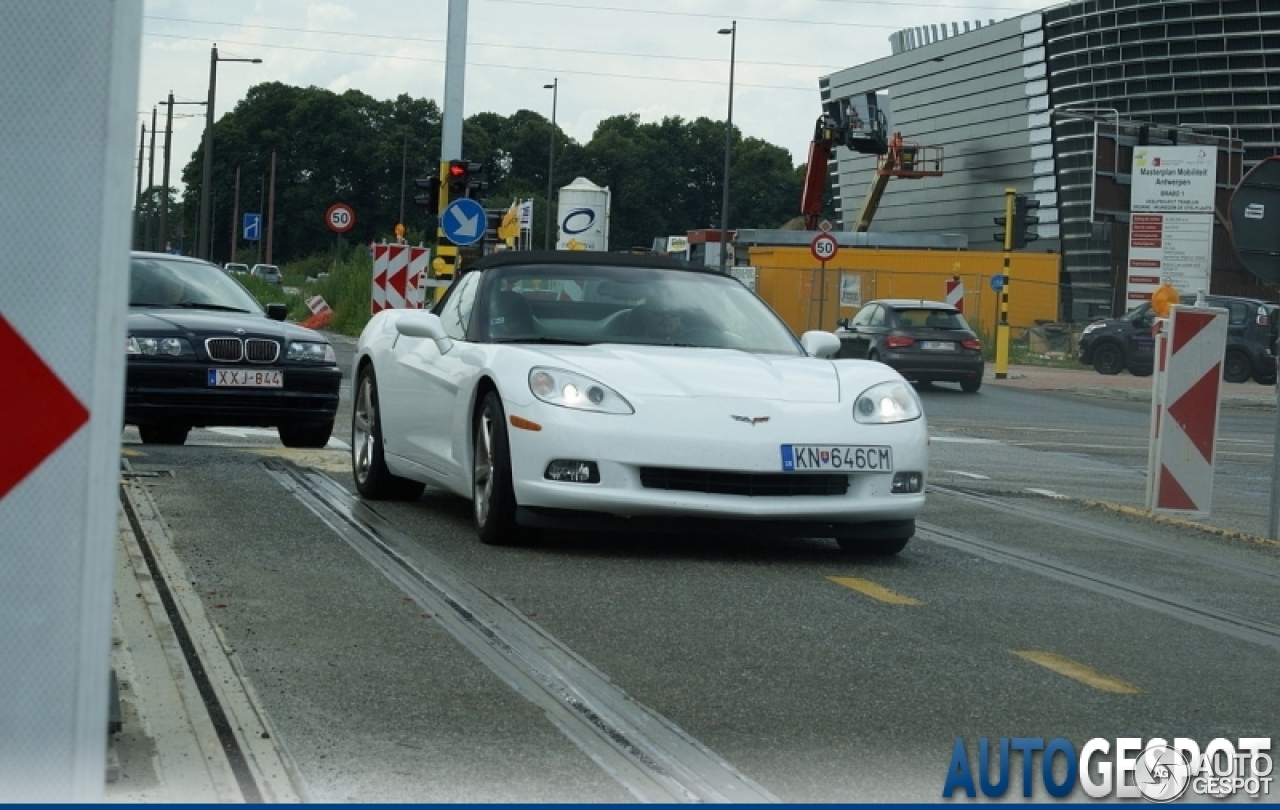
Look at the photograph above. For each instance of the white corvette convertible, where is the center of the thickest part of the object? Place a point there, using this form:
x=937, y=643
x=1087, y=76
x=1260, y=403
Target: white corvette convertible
x=633, y=393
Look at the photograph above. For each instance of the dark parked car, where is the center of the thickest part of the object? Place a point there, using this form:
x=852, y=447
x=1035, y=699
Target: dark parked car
x=924, y=341
x=1116, y=344
x=202, y=352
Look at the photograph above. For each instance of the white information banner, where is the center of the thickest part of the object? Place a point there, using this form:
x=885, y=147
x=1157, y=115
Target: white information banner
x=1171, y=220
x=1174, y=179
x=1174, y=249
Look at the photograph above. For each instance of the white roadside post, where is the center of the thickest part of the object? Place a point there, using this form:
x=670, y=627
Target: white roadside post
x=68, y=108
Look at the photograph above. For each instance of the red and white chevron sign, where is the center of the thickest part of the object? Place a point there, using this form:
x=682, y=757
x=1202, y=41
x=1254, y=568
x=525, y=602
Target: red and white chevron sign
x=955, y=294
x=1187, y=393
x=398, y=275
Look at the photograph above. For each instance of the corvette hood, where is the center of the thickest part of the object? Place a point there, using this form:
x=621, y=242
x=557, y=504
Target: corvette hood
x=682, y=372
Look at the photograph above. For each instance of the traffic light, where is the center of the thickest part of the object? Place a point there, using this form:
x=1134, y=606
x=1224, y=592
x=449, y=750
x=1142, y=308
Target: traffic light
x=464, y=180
x=999, y=235
x=1024, y=217
x=429, y=198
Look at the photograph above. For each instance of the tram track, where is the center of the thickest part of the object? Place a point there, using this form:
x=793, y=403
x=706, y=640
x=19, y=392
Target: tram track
x=1169, y=604
x=650, y=756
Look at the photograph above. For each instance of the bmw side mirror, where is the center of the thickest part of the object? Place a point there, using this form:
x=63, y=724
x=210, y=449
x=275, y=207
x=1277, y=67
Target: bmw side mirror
x=277, y=312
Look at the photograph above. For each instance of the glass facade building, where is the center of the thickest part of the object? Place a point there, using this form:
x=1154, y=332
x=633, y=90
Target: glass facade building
x=1052, y=103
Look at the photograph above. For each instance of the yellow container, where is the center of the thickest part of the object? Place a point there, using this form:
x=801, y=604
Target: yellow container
x=808, y=294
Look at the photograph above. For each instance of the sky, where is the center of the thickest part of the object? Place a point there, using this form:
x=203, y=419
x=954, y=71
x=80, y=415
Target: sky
x=653, y=58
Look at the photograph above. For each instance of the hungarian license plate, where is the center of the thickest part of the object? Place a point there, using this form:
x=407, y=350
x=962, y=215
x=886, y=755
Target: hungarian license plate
x=836, y=458
x=937, y=345
x=245, y=378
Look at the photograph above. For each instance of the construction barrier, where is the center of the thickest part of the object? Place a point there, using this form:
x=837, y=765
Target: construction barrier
x=399, y=277
x=1186, y=393
x=809, y=296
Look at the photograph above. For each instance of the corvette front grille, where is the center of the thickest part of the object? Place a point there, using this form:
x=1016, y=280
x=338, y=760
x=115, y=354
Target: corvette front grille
x=749, y=484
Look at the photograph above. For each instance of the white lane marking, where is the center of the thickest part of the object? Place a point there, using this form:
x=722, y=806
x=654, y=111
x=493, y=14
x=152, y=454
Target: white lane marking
x=1048, y=493
x=969, y=474
x=270, y=433
x=964, y=440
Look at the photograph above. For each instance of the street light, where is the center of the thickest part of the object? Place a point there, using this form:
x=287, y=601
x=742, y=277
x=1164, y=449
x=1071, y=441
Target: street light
x=728, y=141
x=204, y=249
x=554, y=87
x=168, y=140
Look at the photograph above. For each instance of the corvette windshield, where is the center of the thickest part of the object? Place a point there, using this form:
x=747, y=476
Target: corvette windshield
x=160, y=282
x=645, y=306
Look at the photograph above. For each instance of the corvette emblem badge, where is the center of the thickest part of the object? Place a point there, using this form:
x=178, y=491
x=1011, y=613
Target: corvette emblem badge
x=750, y=420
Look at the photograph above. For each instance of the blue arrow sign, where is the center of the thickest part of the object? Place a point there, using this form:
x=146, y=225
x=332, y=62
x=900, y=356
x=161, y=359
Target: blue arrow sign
x=463, y=222
x=997, y=283
x=252, y=227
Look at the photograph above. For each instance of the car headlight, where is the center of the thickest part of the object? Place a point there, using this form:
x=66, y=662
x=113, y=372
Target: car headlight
x=311, y=352
x=1092, y=327
x=157, y=347
x=569, y=390
x=886, y=403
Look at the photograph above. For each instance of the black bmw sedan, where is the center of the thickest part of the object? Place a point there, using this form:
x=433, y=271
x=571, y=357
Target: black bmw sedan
x=202, y=352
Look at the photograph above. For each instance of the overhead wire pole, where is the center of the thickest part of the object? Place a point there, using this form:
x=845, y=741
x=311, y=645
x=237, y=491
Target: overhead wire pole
x=137, y=194
x=205, y=241
x=728, y=143
x=151, y=183
x=554, y=87
x=455, y=66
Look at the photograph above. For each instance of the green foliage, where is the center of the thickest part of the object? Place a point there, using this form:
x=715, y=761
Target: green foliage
x=345, y=286
x=665, y=177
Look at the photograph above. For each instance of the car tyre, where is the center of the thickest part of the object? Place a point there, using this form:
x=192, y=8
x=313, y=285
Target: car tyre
x=971, y=385
x=1236, y=366
x=1140, y=371
x=368, y=464
x=883, y=538
x=311, y=436
x=1108, y=358
x=165, y=433
x=492, y=495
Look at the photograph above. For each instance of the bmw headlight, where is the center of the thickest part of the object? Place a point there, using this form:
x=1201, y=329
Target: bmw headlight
x=311, y=352
x=569, y=390
x=157, y=347
x=1091, y=327
x=886, y=403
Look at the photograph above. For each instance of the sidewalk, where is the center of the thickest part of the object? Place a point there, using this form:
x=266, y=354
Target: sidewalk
x=1087, y=382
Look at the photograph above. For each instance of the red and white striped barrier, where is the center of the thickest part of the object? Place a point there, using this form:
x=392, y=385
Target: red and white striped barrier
x=399, y=276
x=955, y=294
x=1186, y=395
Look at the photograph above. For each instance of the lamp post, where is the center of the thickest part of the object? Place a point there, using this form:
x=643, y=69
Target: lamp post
x=206, y=188
x=554, y=87
x=164, y=193
x=728, y=142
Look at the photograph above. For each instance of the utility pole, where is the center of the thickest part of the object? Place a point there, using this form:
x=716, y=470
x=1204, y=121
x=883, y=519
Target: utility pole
x=151, y=183
x=235, y=216
x=271, y=205
x=137, y=194
x=164, y=193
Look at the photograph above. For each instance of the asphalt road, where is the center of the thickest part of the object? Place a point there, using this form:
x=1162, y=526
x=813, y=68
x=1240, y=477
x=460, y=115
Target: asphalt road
x=393, y=658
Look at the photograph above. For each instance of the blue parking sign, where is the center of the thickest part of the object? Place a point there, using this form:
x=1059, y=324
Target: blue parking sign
x=252, y=227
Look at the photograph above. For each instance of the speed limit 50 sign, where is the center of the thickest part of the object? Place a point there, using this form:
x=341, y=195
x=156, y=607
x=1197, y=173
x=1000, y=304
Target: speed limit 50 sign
x=824, y=247
x=340, y=218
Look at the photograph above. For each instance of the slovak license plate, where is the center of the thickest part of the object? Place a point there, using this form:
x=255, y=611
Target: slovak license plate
x=937, y=345
x=245, y=378
x=836, y=458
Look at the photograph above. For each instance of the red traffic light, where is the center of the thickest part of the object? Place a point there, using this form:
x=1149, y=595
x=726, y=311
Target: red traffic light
x=457, y=169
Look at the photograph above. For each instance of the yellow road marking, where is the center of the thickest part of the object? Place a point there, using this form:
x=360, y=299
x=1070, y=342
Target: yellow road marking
x=125, y=451
x=869, y=588
x=1078, y=672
